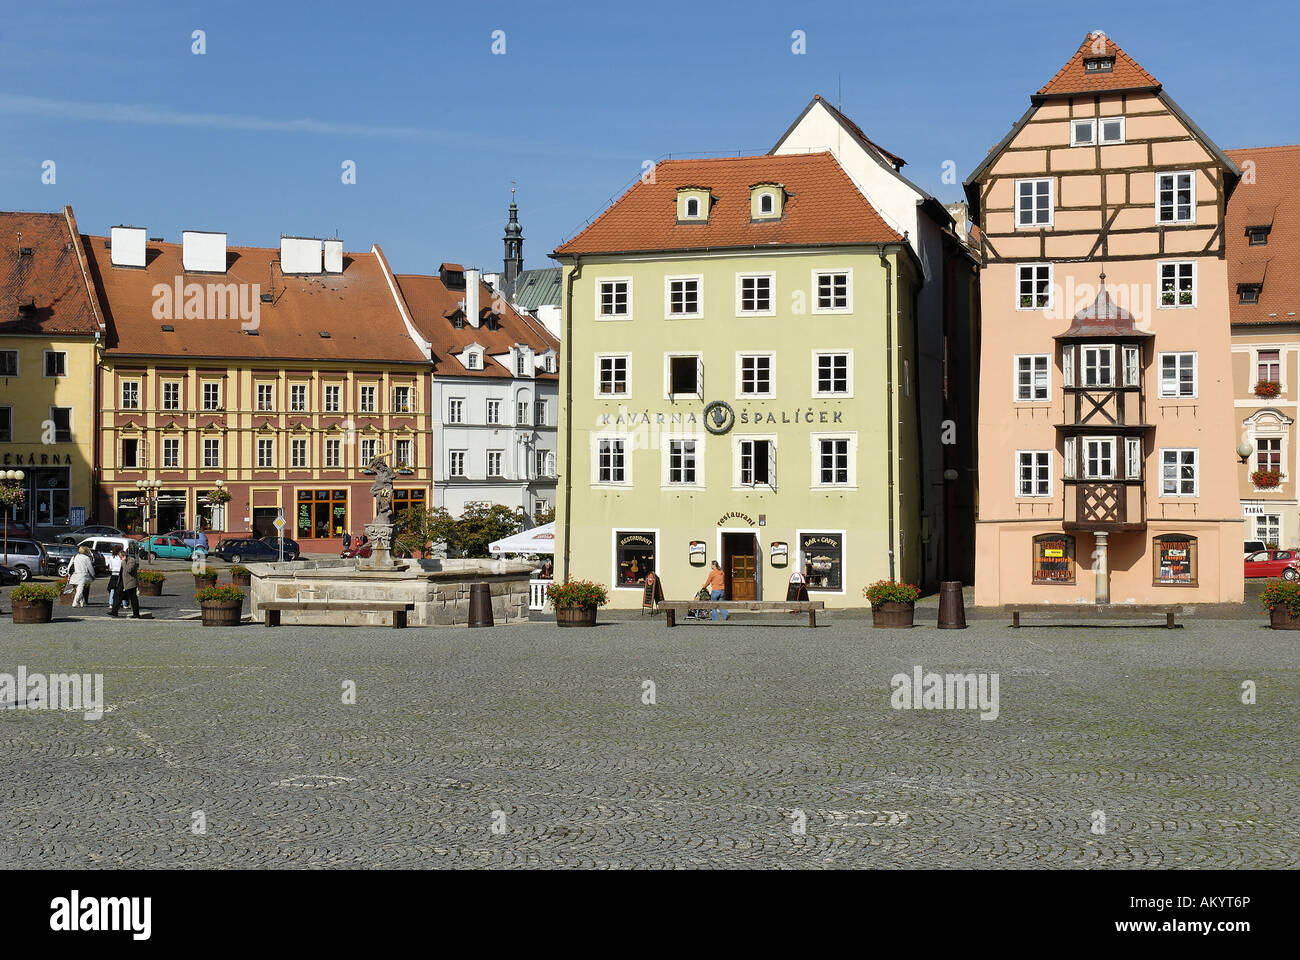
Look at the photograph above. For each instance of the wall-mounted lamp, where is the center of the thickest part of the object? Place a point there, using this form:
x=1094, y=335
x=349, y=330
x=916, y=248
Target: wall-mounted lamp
x=1244, y=450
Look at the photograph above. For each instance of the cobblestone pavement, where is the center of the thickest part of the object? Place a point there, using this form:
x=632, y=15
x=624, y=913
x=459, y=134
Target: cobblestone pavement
x=752, y=723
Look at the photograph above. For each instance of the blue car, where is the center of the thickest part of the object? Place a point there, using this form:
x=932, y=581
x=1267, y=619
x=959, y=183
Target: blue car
x=166, y=546
x=245, y=551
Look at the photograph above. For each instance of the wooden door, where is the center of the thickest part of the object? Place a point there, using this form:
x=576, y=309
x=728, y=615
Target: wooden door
x=742, y=565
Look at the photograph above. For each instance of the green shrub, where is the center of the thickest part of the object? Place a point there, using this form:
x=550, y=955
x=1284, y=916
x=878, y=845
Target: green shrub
x=225, y=591
x=239, y=571
x=151, y=576
x=578, y=593
x=36, y=591
x=890, y=591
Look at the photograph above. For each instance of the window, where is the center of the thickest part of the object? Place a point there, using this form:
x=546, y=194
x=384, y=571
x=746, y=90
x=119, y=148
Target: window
x=1178, y=473
x=62, y=418
x=1099, y=458
x=765, y=203
x=822, y=560
x=171, y=452
x=1258, y=236
x=1175, y=197
x=681, y=461
x=521, y=364
x=1098, y=366
x=522, y=410
x=402, y=400
x=333, y=452
x=456, y=463
x=612, y=375
x=832, y=373
x=1035, y=286
x=1033, y=381
x=757, y=463
x=1178, y=284
x=404, y=500
x=298, y=397
x=755, y=374
x=368, y=395
x=1175, y=558
x=1053, y=558
x=456, y=410
x=171, y=395
x=471, y=360
x=611, y=465
x=1033, y=203
x=211, y=452
x=1270, y=366
x=833, y=292
x=615, y=298
x=494, y=459
x=6, y=424
x=1248, y=292
x=754, y=293
x=1098, y=64
x=56, y=363
x=494, y=411
x=8, y=363
x=1177, y=374
x=297, y=453
x=1033, y=473
x=369, y=449
x=683, y=296
x=130, y=394
x=266, y=452
x=211, y=395
x=1132, y=365
x=1268, y=528
x=833, y=461
x=692, y=207
x=266, y=396
x=1133, y=458
x=333, y=398
x=1112, y=130
x=130, y=454
x=539, y=463
x=322, y=513
x=1083, y=133
x=539, y=413
x=634, y=557
x=1268, y=455
x=458, y=322
x=550, y=364
x=685, y=376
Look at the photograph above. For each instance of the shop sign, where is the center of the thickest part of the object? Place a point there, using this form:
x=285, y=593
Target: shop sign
x=735, y=515
x=780, y=553
x=12, y=459
x=698, y=551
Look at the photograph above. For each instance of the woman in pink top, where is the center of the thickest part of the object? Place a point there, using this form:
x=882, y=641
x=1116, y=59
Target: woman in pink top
x=716, y=584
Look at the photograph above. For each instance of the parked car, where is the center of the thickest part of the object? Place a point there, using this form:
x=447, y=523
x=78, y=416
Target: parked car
x=14, y=527
x=1254, y=546
x=105, y=545
x=291, y=549
x=94, y=530
x=9, y=575
x=246, y=550
x=99, y=560
x=56, y=556
x=24, y=555
x=1274, y=563
x=165, y=546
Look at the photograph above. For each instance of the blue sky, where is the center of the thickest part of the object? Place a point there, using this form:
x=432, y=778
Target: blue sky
x=250, y=137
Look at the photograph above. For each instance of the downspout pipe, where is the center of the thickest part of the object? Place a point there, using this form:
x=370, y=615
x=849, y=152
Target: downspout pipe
x=574, y=274
x=889, y=398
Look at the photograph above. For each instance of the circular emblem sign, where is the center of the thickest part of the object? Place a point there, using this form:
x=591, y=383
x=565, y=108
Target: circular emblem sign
x=719, y=417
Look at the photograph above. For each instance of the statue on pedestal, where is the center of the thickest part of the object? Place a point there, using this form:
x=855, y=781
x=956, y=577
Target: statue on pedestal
x=382, y=488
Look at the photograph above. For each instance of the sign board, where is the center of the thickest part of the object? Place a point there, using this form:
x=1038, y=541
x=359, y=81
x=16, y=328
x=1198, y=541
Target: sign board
x=76, y=517
x=698, y=551
x=279, y=525
x=780, y=553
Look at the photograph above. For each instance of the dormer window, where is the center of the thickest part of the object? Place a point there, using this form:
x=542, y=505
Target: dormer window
x=1098, y=64
x=692, y=207
x=1248, y=292
x=693, y=204
x=766, y=201
x=458, y=322
x=1258, y=236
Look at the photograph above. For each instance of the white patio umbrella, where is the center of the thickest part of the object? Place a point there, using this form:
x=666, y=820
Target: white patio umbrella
x=537, y=540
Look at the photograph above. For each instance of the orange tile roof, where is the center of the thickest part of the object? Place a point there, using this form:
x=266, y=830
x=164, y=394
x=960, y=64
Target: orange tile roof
x=357, y=307
x=48, y=291
x=824, y=207
x=1274, y=197
x=1073, y=78
x=432, y=305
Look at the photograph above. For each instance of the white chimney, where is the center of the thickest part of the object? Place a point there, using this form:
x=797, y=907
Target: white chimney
x=333, y=256
x=128, y=246
x=300, y=255
x=203, y=251
x=471, y=296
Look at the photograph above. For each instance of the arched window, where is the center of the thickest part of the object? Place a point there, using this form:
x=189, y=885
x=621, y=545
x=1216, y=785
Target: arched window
x=1053, y=558
x=765, y=203
x=693, y=206
x=1175, y=560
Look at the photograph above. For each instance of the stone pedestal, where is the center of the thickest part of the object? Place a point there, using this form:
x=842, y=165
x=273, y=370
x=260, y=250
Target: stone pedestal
x=380, y=538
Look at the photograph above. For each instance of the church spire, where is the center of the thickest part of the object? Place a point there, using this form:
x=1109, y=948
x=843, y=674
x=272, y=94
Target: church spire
x=514, y=242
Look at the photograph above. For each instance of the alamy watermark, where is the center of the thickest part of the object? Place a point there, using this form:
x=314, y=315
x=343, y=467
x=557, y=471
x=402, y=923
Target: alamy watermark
x=179, y=300
x=946, y=691
x=56, y=691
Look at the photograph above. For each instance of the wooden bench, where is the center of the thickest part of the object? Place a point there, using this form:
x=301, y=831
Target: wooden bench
x=1105, y=611
x=397, y=608
x=810, y=607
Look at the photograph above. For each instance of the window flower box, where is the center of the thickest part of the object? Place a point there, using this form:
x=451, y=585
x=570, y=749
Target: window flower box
x=1268, y=389
x=1266, y=479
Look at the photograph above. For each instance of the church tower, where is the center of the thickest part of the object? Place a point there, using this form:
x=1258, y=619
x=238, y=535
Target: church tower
x=514, y=241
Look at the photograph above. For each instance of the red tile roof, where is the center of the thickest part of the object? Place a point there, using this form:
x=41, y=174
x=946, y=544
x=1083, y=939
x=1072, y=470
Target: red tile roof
x=1073, y=77
x=47, y=291
x=824, y=207
x=357, y=307
x=432, y=305
x=1273, y=197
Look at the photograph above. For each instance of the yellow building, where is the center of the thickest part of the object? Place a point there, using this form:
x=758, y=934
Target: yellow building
x=50, y=323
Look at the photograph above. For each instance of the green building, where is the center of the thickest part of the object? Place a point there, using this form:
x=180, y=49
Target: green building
x=737, y=384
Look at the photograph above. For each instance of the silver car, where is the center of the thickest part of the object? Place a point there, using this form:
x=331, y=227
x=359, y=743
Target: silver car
x=26, y=557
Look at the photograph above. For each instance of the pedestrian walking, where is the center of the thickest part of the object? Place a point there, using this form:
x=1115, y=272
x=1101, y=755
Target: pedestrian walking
x=80, y=575
x=347, y=543
x=716, y=584
x=128, y=589
x=114, y=579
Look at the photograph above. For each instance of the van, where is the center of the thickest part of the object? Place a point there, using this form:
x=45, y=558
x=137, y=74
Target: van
x=26, y=557
x=104, y=545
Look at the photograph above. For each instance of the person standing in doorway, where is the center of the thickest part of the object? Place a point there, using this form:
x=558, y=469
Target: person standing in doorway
x=716, y=584
x=127, y=591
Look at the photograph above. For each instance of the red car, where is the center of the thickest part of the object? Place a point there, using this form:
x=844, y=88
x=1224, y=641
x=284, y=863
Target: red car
x=1274, y=563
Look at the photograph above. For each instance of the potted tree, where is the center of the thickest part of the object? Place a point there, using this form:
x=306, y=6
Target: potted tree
x=33, y=602
x=241, y=576
x=221, y=606
x=893, y=604
x=576, y=602
x=1281, y=598
x=150, y=582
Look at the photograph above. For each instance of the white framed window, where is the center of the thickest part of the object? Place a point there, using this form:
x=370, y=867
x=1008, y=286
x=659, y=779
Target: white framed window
x=456, y=463
x=1176, y=197
x=540, y=462
x=472, y=360
x=1132, y=354
x=683, y=376
x=832, y=373
x=211, y=395
x=494, y=411
x=754, y=375
x=682, y=297
x=1268, y=454
x=692, y=207
x=1069, y=457
x=211, y=452
x=495, y=459
x=1099, y=458
x=333, y=452
x=171, y=452
x=369, y=449
x=1033, y=377
x=1268, y=528
x=265, y=453
x=1033, y=286
x=614, y=299
x=1083, y=132
x=832, y=291
x=612, y=370
x=298, y=397
x=539, y=413
x=456, y=410
x=56, y=363
x=755, y=459
x=265, y=396
x=1179, y=472
x=369, y=394
x=1033, y=473
x=402, y=454
x=1178, y=375
x=1112, y=130
x=1067, y=366
x=610, y=466
x=130, y=394
x=523, y=363
x=523, y=413
x=297, y=453
x=171, y=395
x=333, y=398
x=1177, y=284
x=130, y=458
x=834, y=460
x=1098, y=365
x=683, y=462
x=1133, y=458
x=403, y=400
x=1034, y=203
x=755, y=293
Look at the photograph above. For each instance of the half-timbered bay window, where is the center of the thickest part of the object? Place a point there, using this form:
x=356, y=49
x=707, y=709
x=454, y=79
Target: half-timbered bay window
x=1098, y=365
x=1099, y=458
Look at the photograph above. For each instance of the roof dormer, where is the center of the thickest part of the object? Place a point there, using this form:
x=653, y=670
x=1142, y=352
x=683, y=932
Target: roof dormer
x=471, y=357
x=546, y=361
x=694, y=204
x=766, y=201
x=523, y=357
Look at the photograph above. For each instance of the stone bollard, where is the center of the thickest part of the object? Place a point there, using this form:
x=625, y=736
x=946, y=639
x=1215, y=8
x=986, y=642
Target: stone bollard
x=952, y=609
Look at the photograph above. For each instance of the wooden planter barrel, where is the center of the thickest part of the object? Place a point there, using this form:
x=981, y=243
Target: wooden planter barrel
x=33, y=611
x=1280, y=618
x=202, y=580
x=242, y=580
x=575, y=616
x=221, y=613
x=150, y=589
x=892, y=614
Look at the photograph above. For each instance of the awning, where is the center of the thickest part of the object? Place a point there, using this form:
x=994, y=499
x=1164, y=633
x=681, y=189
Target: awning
x=537, y=540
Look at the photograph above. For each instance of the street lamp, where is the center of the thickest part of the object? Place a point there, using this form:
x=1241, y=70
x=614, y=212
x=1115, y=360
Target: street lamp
x=149, y=490
x=12, y=478
x=1244, y=450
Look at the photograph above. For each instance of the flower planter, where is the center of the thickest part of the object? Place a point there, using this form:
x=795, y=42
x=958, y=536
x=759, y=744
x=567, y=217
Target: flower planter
x=575, y=616
x=222, y=613
x=244, y=580
x=150, y=589
x=1283, y=619
x=202, y=580
x=893, y=614
x=33, y=611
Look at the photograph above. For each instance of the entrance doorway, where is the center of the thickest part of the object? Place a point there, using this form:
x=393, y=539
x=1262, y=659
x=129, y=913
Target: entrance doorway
x=740, y=565
x=264, y=521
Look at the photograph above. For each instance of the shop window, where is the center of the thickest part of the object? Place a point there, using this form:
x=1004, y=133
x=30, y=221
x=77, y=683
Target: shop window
x=1175, y=560
x=407, y=499
x=823, y=560
x=1053, y=558
x=634, y=557
x=322, y=513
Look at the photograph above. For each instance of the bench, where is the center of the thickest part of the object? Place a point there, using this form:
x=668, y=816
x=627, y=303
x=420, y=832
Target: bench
x=810, y=607
x=397, y=608
x=1105, y=611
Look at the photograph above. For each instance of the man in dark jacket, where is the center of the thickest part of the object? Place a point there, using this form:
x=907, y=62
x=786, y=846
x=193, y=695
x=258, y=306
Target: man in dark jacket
x=129, y=587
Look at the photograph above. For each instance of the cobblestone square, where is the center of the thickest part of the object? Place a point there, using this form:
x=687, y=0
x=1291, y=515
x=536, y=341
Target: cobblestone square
x=245, y=732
